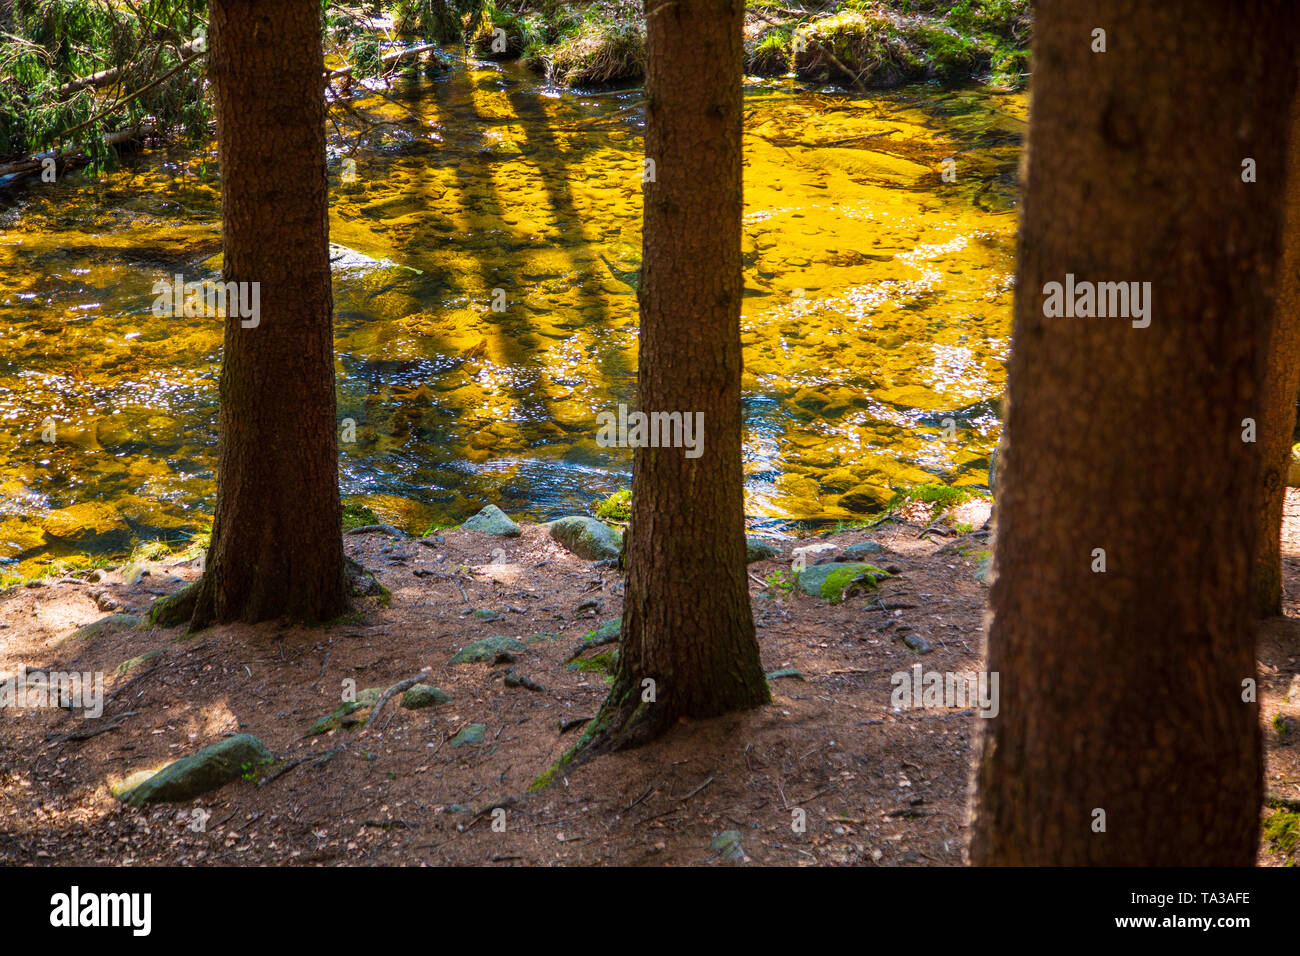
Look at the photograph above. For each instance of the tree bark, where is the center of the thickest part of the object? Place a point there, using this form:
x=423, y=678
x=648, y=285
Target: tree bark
x=1277, y=407
x=277, y=547
x=1122, y=691
x=687, y=622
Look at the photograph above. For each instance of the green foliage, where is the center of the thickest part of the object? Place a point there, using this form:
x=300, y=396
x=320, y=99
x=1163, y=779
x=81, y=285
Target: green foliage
x=617, y=507
x=939, y=497
x=1282, y=831
x=782, y=582
x=358, y=516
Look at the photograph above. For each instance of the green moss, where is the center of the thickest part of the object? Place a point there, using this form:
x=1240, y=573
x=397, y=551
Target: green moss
x=173, y=609
x=617, y=507
x=1282, y=831
x=855, y=48
x=769, y=55
x=839, y=581
x=600, y=52
x=358, y=516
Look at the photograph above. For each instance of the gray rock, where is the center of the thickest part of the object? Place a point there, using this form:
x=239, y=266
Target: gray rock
x=487, y=650
x=472, y=734
x=756, y=549
x=492, y=520
x=586, y=537
x=209, y=769
x=424, y=695
x=727, y=844
x=984, y=570
x=790, y=672
x=114, y=622
x=859, y=551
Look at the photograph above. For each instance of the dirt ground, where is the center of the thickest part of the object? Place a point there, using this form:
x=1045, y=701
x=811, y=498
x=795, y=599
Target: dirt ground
x=876, y=786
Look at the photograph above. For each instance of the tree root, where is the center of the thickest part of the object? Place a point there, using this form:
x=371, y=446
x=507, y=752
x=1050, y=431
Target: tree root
x=175, y=608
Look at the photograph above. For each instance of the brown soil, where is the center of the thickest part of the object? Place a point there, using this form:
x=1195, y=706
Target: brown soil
x=877, y=786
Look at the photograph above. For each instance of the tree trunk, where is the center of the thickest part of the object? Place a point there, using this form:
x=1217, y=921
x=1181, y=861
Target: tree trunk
x=1277, y=407
x=277, y=547
x=1121, y=692
x=687, y=623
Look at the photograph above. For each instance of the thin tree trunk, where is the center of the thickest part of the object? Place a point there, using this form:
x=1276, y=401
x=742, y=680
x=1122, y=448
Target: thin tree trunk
x=1277, y=408
x=687, y=623
x=277, y=548
x=1121, y=692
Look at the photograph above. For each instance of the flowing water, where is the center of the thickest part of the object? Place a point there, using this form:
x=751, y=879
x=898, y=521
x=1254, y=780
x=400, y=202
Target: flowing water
x=877, y=305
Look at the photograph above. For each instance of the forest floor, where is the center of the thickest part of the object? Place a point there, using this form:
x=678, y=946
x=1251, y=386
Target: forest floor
x=877, y=785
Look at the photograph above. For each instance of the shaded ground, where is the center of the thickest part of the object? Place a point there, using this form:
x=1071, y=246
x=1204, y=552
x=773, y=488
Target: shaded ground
x=878, y=786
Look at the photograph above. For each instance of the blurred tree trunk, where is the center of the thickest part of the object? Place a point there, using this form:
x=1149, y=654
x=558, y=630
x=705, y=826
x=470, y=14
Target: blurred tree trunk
x=1122, y=736
x=1277, y=410
x=277, y=546
x=687, y=622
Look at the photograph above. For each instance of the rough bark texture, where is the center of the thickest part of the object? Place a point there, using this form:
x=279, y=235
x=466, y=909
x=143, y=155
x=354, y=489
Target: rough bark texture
x=1122, y=691
x=277, y=549
x=687, y=623
x=1277, y=409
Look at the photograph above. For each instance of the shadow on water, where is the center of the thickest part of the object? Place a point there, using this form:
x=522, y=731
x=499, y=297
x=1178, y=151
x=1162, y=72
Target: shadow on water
x=877, y=310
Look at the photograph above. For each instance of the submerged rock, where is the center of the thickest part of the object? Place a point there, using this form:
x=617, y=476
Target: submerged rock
x=586, y=537
x=209, y=769
x=492, y=520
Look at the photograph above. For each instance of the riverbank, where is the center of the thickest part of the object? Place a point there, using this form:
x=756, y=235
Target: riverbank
x=878, y=784
x=855, y=43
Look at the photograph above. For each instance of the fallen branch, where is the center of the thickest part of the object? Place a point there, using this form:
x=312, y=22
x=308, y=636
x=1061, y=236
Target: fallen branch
x=387, y=695
x=385, y=60
x=320, y=758
x=105, y=77
x=34, y=163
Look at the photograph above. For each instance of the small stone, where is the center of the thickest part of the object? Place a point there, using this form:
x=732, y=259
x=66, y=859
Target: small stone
x=471, y=734
x=520, y=680
x=756, y=549
x=424, y=695
x=917, y=643
x=492, y=520
x=727, y=843
x=486, y=614
x=859, y=551
x=790, y=672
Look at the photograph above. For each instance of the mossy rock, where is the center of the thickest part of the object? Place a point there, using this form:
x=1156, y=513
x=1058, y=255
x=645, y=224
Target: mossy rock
x=586, y=537
x=365, y=700
x=756, y=549
x=471, y=734
x=129, y=665
x=487, y=650
x=114, y=622
x=608, y=631
x=209, y=769
x=832, y=581
x=424, y=695
x=493, y=521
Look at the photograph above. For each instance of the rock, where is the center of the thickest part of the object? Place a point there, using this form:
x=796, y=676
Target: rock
x=832, y=581
x=984, y=569
x=114, y=622
x=586, y=537
x=424, y=695
x=487, y=650
x=486, y=614
x=209, y=769
x=520, y=680
x=917, y=643
x=993, y=471
x=492, y=520
x=606, y=633
x=129, y=665
x=365, y=700
x=859, y=551
x=471, y=734
x=809, y=554
x=756, y=549
x=727, y=843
